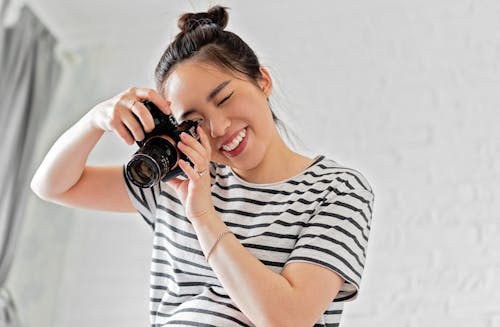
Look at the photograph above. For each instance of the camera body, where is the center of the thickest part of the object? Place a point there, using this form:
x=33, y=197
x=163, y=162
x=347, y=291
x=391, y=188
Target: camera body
x=158, y=156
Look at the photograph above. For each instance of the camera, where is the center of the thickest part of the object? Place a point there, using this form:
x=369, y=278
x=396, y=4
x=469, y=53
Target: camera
x=158, y=156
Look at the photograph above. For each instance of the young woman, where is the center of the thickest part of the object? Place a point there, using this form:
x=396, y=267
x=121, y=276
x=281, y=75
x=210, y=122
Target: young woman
x=257, y=234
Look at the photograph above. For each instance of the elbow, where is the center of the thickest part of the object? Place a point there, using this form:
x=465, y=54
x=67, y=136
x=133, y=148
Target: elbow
x=273, y=318
x=285, y=322
x=36, y=188
x=280, y=322
x=279, y=319
x=287, y=319
x=273, y=323
x=283, y=314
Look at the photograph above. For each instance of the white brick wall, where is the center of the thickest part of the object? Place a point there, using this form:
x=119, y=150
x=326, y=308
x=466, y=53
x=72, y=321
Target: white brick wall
x=405, y=91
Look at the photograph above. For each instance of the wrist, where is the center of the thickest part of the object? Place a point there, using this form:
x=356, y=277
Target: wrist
x=90, y=120
x=203, y=218
x=209, y=230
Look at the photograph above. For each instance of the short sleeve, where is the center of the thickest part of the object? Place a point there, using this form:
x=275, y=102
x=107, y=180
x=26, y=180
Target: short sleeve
x=336, y=236
x=143, y=199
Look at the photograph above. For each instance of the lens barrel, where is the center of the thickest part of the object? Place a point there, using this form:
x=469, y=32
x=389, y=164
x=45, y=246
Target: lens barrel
x=152, y=161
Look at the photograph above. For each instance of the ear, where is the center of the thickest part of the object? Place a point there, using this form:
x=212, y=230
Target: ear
x=265, y=82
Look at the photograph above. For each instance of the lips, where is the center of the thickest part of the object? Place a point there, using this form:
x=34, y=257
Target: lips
x=235, y=143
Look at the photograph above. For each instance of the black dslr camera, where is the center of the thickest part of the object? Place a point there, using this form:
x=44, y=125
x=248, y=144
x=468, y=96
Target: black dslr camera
x=158, y=156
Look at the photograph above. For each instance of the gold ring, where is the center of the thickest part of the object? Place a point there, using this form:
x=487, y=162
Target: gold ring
x=202, y=173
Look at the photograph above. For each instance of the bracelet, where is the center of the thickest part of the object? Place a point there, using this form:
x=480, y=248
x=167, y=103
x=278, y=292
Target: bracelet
x=217, y=241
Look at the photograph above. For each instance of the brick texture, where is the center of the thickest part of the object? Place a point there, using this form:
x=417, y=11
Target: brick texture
x=405, y=91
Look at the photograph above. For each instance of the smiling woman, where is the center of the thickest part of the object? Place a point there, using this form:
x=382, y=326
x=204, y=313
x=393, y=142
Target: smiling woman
x=269, y=237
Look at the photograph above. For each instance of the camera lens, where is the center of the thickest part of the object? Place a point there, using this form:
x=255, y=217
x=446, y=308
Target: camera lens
x=152, y=161
x=143, y=171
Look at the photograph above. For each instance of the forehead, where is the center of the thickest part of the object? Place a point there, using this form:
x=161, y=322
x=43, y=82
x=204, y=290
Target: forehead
x=192, y=79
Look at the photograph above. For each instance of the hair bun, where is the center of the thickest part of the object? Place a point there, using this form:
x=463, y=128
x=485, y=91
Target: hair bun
x=215, y=15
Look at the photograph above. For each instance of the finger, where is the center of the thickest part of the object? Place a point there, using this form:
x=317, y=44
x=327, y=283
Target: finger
x=194, y=156
x=124, y=133
x=188, y=170
x=204, y=140
x=142, y=113
x=132, y=124
x=153, y=96
x=192, y=142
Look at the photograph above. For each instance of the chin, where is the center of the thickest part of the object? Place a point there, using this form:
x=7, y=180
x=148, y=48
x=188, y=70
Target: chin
x=244, y=162
x=250, y=158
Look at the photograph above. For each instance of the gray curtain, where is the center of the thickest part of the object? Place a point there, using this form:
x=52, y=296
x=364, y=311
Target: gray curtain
x=29, y=72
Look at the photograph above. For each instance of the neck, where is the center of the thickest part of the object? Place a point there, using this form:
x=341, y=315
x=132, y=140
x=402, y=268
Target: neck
x=279, y=163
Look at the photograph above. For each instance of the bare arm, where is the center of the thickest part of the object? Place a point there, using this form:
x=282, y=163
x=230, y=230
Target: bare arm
x=296, y=297
x=63, y=176
x=99, y=188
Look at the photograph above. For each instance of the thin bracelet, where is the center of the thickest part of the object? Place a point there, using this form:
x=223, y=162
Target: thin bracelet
x=217, y=241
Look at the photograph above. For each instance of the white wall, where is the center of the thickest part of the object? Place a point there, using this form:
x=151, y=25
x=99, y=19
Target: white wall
x=404, y=91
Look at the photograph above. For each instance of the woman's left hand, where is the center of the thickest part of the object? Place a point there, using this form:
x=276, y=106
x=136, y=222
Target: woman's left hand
x=195, y=191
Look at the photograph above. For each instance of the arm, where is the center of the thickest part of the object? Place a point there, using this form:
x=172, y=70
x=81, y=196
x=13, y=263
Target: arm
x=63, y=176
x=296, y=297
x=63, y=165
x=265, y=297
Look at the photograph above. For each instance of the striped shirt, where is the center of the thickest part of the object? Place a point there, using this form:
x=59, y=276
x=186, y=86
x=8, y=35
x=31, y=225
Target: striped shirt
x=321, y=216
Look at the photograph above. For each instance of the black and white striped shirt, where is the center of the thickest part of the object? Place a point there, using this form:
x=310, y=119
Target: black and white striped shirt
x=321, y=216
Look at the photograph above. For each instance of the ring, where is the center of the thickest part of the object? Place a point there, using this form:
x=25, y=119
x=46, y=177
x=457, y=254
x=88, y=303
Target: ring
x=133, y=103
x=202, y=173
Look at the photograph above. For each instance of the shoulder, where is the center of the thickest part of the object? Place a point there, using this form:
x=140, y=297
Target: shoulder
x=341, y=176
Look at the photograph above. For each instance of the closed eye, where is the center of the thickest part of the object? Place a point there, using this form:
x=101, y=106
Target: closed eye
x=226, y=98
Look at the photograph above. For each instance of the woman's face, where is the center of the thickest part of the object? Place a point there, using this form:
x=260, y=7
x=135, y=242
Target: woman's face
x=235, y=112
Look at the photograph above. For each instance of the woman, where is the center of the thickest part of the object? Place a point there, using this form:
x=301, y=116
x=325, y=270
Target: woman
x=257, y=234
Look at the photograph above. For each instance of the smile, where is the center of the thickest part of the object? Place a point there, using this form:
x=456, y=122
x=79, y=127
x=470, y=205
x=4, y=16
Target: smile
x=235, y=142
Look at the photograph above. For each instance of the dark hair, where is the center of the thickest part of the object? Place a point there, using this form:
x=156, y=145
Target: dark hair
x=204, y=39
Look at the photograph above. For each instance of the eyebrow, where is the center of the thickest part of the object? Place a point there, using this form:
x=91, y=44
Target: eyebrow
x=217, y=90
x=210, y=96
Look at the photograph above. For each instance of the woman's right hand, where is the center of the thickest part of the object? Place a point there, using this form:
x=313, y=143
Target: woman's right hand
x=64, y=177
x=126, y=115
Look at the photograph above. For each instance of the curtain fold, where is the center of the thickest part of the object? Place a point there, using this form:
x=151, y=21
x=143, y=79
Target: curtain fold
x=29, y=72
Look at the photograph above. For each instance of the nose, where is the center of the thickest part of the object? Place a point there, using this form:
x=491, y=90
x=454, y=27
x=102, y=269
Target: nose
x=219, y=123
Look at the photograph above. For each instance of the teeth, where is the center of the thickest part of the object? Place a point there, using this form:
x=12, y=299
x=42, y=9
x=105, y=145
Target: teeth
x=236, y=141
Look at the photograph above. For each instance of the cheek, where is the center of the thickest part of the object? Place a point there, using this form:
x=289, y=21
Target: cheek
x=248, y=108
x=257, y=112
